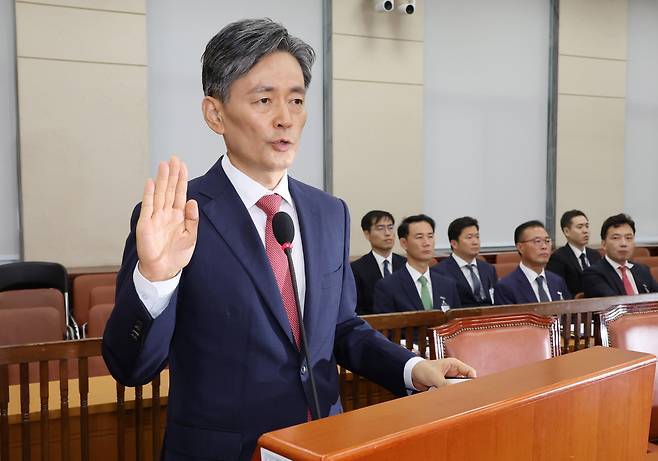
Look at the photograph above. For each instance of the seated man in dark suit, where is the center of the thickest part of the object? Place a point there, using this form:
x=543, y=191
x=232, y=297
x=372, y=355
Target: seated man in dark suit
x=416, y=288
x=615, y=275
x=378, y=229
x=530, y=282
x=475, y=278
x=570, y=260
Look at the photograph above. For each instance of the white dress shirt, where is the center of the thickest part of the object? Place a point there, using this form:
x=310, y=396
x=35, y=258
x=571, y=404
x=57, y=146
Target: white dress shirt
x=463, y=265
x=415, y=275
x=532, y=278
x=628, y=272
x=380, y=262
x=156, y=295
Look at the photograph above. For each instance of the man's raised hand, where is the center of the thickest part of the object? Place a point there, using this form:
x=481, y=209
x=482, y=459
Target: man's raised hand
x=168, y=223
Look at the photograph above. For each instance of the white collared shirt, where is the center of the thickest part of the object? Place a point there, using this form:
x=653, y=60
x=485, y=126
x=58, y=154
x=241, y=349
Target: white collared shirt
x=532, y=278
x=415, y=275
x=380, y=262
x=577, y=251
x=156, y=295
x=463, y=265
x=628, y=264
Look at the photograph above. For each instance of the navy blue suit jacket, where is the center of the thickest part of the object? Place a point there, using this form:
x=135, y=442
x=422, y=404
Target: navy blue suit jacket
x=398, y=293
x=366, y=274
x=488, y=278
x=601, y=279
x=564, y=263
x=515, y=288
x=235, y=371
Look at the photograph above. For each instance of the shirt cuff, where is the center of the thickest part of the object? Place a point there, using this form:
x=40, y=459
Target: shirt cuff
x=408, y=367
x=154, y=295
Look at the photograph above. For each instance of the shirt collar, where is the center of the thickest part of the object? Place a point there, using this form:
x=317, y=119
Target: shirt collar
x=530, y=274
x=251, y=191
x=415, y=275
x=461, y=262
x=576, y=250
x=616, y=264
x=380, y=259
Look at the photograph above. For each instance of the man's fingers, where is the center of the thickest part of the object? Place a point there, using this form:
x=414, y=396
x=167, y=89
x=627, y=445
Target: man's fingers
x=459, y=368
x=191, y=217
x=147, y=200
x=160, y=186
x=181, y=188
x=172, y=182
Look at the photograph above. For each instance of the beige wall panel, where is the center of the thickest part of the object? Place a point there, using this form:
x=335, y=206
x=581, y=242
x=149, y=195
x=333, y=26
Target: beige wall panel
x=129, y=6
x=80, y=35
x=358, y=17
x=594, y=28
x=378, y=150
x=377, y=60
x=594, y=77
x=84, y=158
x=590, y=162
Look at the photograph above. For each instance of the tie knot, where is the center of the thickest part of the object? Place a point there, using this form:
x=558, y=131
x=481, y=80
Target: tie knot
x=269, y=204
x=623, y=268
x=423, y=280
x=540, y=279
x=386, y=264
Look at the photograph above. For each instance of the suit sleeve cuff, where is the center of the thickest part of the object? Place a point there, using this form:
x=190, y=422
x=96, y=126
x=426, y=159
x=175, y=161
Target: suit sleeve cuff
x=154, y=295
x=408, y=368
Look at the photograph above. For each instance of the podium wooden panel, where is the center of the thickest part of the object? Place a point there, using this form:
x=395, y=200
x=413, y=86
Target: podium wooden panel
x=589, y=405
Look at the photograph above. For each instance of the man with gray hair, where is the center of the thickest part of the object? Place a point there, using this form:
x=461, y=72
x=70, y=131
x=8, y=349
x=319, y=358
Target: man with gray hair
x=205, y=288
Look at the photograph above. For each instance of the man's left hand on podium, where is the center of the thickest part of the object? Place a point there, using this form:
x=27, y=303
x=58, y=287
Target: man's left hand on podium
x=433, y=373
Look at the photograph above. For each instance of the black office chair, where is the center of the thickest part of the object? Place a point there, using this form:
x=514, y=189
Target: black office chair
x=33, y=275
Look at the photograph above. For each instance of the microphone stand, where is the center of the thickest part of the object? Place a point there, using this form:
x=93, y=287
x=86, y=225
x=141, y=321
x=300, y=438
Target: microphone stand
x=287, y=249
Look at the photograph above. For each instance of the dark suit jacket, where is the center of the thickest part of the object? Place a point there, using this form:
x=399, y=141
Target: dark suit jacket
x=564, y=263
x=516, y=289
x=488, y=278
x=235, y=371
x=601, y=279
x=398, y=293
x=366, y=274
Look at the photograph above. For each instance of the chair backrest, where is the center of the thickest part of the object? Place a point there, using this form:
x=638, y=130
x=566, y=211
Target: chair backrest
x=508, y=257
x=641, y=252
x=651, y=261
x=98, y=315
x=83, y=285
x=634, y=328
x=38, y=297
x=503, y=269
x=33, y=274
x=495, y=343
x=30, y=325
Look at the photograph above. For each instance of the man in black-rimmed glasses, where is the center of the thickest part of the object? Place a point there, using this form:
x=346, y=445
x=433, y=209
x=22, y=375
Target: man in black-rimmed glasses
x=531, y=282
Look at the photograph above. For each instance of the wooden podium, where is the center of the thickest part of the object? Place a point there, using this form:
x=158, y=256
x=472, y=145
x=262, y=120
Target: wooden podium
x=589, y=405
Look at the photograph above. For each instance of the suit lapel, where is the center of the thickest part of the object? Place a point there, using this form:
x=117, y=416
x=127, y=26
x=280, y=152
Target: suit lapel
x=231, y=220
x=398, y=262
x=573, y=260
x=310, y=223
x=409, y=289
x=640, y=281
x=373, y=268
x=525, y=286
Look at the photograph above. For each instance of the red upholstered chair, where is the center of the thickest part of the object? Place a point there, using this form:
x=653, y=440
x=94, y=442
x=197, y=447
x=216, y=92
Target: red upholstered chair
x=634, y=328
x=91, y=289
x=98, y=315
x=641, y=252
x=508, y=257
x=654, y=273
x=32, y=298
x=503, y=269
x=496, y=343
x=651, y=261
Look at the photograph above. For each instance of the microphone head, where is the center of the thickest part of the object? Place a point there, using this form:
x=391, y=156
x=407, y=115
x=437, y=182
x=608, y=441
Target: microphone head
x=283, y=228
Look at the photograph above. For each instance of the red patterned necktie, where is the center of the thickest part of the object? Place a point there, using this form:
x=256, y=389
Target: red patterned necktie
x=628, y=286
x=279, y=261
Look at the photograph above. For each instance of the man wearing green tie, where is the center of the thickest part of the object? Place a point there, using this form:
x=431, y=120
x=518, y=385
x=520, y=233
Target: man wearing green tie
x=416, y=287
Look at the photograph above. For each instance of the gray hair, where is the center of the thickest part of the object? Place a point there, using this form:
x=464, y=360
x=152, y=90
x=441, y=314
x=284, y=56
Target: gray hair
x=239, y=46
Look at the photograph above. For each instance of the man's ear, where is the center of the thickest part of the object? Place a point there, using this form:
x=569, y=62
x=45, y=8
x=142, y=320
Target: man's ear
x=366, y=234
x=453, y=244
x=518, y=248
x=403, y=243
x=212, y=110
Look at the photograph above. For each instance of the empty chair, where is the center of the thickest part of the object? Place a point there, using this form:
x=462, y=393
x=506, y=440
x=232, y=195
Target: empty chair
x=91, y=289
x=641, y=252
x=634, y=328
x=508, y=257
x=98, y=315
x=503, y=269
x=496, y=343
x=38, y=275
x=30, y=325
x=651, y=261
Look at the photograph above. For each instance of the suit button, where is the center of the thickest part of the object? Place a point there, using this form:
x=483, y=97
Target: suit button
x=303, y=370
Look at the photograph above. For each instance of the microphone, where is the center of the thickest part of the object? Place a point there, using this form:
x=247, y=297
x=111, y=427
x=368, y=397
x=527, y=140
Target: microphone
x=646, y=289
x=284, y=232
